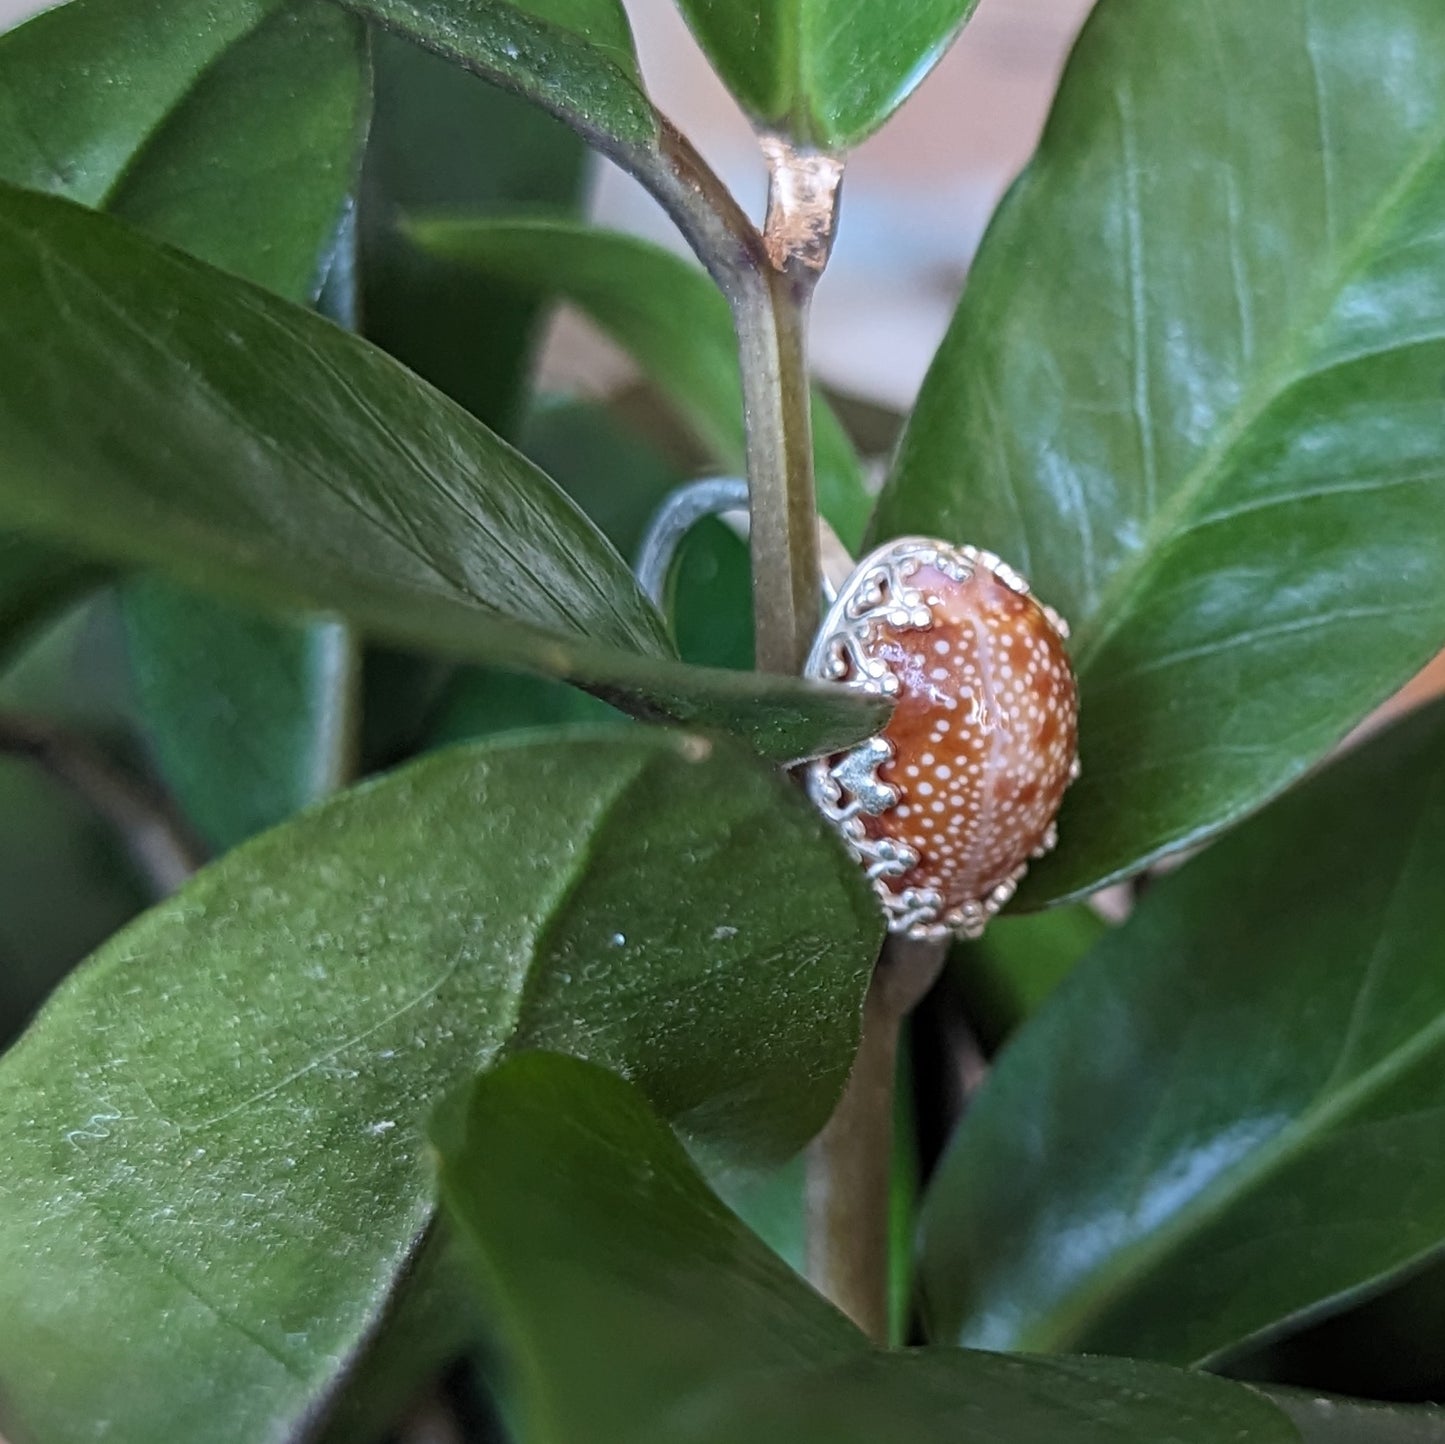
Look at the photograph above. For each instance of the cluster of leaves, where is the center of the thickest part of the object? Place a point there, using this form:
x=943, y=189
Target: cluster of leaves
x=1193, y=389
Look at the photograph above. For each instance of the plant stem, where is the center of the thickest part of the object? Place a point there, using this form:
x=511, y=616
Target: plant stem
x=771, y=303
x=769, y=280
x=155, y=839
x=850, y=1162
x=772, y=318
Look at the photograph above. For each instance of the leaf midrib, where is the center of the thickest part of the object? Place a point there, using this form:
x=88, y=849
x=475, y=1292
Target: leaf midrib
x=1276, y=381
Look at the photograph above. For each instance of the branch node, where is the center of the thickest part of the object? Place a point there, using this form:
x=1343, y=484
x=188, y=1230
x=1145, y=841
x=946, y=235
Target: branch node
x=803, y=193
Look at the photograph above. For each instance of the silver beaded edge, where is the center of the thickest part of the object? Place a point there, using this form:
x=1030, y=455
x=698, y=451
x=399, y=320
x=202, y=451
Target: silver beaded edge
x=846, y=787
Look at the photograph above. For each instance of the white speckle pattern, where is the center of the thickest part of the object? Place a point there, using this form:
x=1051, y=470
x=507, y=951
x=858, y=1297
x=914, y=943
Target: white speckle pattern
x=946, y=805
x=996, y=781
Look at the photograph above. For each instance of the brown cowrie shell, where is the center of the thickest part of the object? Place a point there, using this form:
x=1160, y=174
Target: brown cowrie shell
x=945, y=807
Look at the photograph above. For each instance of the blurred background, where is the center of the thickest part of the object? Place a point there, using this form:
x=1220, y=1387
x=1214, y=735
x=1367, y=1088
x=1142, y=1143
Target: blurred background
x=916, y=199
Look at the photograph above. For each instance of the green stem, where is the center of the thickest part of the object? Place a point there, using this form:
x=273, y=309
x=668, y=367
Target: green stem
x=850, y=1162
x=772, y=322
x=771, y=298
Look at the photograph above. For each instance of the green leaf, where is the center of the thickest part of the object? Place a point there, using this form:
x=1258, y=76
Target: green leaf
x=248, y=446
x=619, y=480
x=828, y=72
x=229, y=1137
x=1006, y=975
x=467, y=335
x=249, y=717
x=66, y=883
x=669, y=316
x=233, y=131
x=1193, y=393
x=944, y=1396
x=486, y=701
x=1385, y=1347
x=252, y=171
x=774, y=1204
x=65, y=886
x=637, y=1308
x=35, y=580
x=1326, y=1420
x=615, y=475
x=572, y=57
x=711, y=597
x=250, y=721
x=1229, y=1119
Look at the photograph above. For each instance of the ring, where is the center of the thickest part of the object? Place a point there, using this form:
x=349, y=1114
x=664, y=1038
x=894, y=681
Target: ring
x=944, y=807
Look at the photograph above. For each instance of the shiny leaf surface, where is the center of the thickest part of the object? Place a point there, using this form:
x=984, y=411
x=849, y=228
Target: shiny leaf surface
x=246, y=445
x=573, y=57
x=669, y=316
x=1126, y=1184
x=232, y=130
x=828, y=72
x=250, y=717
x=1325, y=1420
x=637, y=1308
x=619, y=480
x=1006, y=975
x=467, y=335
x=249, y=1103
x=1193, y=393
x=1385, y=1347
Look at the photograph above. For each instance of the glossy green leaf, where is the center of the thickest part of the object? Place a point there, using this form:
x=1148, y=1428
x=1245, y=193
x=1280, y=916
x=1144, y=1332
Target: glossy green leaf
x=943, y=1396
x=669, y=316
x=232, y=130
x=246, y=445
x=710, y=605
x=828, y=72
x=34, y=581
x=467, y=335
x=618, y=481
x=66, y=885
x=249, y=717
x=637, y=1308
x=1193, y=393
x=1326, y=1420
x=484, y=701
x=250, y=721
x=572, y=57
x=1231, y=1117
x=615, y=475
x=229, y=1136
